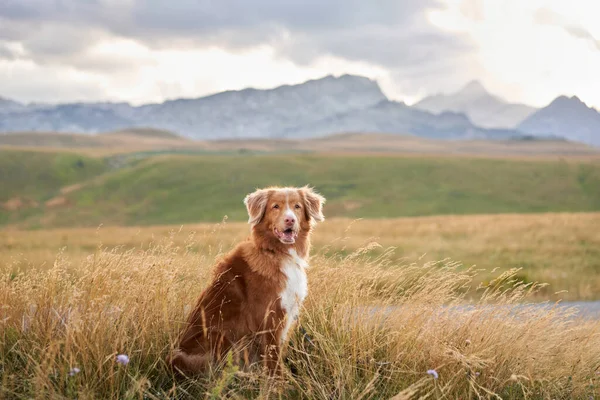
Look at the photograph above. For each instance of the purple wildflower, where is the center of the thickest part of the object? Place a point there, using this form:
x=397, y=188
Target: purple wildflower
x=123, y=359
x=433, y=373
x=74, y=371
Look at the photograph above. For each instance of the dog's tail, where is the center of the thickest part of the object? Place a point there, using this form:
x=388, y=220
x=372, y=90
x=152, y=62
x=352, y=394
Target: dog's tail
x=189, y=364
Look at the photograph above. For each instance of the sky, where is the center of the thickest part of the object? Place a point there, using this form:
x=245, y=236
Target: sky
x=143, y=51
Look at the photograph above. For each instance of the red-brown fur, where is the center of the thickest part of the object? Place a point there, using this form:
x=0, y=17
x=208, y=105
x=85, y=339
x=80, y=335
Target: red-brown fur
x=240, y=310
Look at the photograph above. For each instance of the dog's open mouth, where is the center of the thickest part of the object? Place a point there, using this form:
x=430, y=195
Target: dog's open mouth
x=286, y=236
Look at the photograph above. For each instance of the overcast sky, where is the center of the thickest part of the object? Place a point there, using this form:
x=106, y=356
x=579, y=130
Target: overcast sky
x=149, y=50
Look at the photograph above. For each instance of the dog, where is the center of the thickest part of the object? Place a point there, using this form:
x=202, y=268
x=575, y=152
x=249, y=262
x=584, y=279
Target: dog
x=257, y=289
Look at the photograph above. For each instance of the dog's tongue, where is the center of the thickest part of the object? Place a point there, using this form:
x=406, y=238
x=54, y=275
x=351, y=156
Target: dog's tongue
x=288, y=235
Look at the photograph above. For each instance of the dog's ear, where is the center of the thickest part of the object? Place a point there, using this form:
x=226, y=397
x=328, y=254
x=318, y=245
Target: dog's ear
x=256, y=203
x=313, y=204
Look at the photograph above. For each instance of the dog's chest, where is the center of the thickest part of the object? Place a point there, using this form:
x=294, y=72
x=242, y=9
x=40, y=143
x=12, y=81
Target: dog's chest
x=296, y=288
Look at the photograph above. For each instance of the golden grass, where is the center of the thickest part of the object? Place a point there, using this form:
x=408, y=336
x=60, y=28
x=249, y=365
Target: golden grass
x=561, y=249
x=377, y=326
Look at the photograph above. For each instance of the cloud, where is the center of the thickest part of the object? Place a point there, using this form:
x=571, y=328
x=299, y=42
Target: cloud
x=581, y=33
x=7, y=52
x=25, y=81
x=383, y=32
x=385, y=46
x=546, y=16
x=210, y=17
x=114, y=40
x=473, y=9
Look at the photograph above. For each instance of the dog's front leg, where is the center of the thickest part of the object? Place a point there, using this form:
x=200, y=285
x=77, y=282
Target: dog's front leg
x=272, y=359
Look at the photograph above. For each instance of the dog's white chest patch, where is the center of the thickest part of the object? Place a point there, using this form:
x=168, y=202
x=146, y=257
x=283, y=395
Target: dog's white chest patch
x=295, y=290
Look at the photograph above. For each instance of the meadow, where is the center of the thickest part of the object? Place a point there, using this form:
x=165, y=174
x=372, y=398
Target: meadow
x=425, y=279
x=66, y=190
x=561, y=249
x=378, y=323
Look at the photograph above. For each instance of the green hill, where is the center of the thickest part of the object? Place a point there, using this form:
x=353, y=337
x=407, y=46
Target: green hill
x=40, y=175
x=28, y=179
x=181, y=189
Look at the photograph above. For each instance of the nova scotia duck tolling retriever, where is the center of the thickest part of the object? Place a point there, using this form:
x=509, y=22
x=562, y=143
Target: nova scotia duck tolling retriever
x=257, y=289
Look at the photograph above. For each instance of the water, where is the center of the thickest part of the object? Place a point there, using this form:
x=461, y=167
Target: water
x=578, y=309
x=587, y=309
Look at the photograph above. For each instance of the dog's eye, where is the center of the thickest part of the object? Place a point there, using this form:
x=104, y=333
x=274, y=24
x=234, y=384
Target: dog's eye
x=297, y=205
x=276, y=206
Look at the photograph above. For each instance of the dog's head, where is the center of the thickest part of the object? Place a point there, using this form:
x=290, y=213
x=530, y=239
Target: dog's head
x=284, y=213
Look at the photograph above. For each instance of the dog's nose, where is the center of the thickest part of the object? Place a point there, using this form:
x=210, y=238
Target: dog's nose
x=289, y=221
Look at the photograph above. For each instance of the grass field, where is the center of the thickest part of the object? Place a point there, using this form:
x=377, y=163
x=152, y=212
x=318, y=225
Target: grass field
x=63, y=323
x=40, y=175
x=195, y=188
x=106, y=244
x=560, y=249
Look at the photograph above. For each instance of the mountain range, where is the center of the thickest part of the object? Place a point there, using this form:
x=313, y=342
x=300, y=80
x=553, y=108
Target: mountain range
x=315, y=108
x=568, y=117
x=483, y=108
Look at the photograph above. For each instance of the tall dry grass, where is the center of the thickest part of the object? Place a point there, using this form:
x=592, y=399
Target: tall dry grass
x=562, y=249
x=375, y=327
